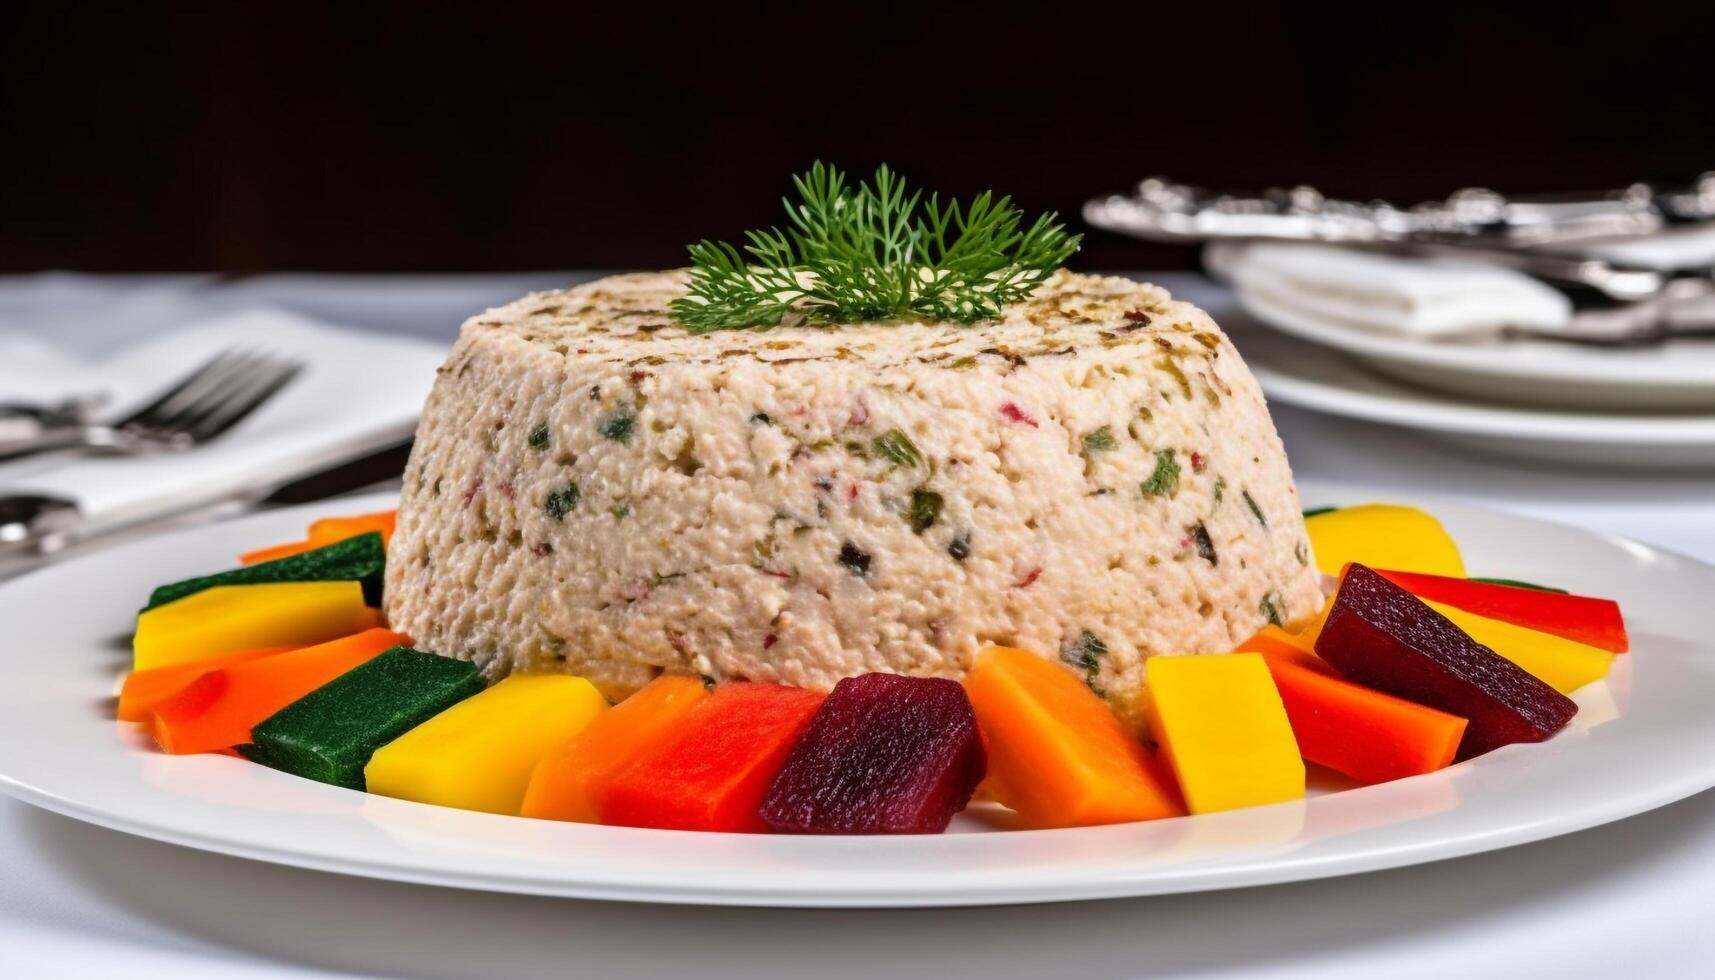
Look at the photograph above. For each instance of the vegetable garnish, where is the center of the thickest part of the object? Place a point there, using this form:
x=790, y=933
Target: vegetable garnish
x=1515, y=583
x=876, y=251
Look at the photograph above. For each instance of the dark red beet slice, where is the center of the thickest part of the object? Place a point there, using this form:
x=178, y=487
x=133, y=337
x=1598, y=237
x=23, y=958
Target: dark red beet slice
x=1382, y=636
x=885, y=754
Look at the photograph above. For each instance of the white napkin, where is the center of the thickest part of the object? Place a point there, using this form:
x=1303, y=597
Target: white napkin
x=357, y=393
x=1411, y=297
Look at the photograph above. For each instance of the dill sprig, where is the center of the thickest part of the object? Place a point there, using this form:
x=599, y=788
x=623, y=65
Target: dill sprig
x=876, y=251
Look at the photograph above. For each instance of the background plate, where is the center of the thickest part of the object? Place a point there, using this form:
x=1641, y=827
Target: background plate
x=1674, y=376
x=1644, y=738
x=1294, y=372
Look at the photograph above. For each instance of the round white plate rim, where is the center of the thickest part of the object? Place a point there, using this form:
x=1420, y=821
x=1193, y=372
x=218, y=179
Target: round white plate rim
x=1416, y=410
x=1613, y=367
x=1339, y=387
x=994, y=886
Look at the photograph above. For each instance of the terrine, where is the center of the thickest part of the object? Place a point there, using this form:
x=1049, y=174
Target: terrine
x=1094, y=477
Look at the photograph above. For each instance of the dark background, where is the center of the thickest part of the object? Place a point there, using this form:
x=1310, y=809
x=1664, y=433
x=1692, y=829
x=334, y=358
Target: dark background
x=371, y=137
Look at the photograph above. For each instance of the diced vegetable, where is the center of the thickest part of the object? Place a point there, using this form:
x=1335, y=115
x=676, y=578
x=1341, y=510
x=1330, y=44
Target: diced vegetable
x=1560, y=663
x=1370, y=736
x=1582, y=619
x=330, y=733
x=1221, y=725
x=275, y=552
x=144, y=690
x=219, y=708
x=478, y=754
x=359, y=559
x=569, y=781
x=714, y=771
x=1056, y=753
x=1382, y=636
x=327, y=531
x=239, y=617
x=1272, y=639
x=1383, y=536
x=886, y=754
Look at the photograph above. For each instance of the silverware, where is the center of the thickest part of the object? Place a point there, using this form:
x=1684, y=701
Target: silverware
x=36, y=529
x=201, y=406
x=1162, y=210
x=1685, y=307
x=1541, y=237
x=24, y=420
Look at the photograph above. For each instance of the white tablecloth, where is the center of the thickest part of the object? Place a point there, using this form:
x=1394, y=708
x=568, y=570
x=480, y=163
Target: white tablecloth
x=1629, y=899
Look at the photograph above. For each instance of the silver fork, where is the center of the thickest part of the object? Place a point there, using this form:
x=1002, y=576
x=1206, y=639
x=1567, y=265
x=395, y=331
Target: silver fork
x=201, y=406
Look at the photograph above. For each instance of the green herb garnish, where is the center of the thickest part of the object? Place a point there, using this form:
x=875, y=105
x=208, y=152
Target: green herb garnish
x=1205, y=544
x=1165, y=479
x=1100, y=441
x=562, y=501
x=1270, y=609
x=925, y=509
x=618, y=424
x=538, y=437
x=1255, y=510
x=874, y=251
x=1312, y=512
x=897, y=448
x=1085, y=652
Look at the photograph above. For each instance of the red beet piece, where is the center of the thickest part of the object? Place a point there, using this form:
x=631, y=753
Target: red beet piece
x=885, y=754
x=1380, y=635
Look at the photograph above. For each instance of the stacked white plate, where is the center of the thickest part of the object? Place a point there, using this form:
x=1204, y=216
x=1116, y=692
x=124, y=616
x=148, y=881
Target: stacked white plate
x=1650, y=407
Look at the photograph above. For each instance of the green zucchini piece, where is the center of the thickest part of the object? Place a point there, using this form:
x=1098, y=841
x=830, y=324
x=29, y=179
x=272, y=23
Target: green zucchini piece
x=329, y=734
x=360, y=559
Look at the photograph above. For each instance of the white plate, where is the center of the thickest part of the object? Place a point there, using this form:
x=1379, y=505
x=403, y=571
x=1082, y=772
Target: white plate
x=1674, y=376
x=1644, y=738
x=1301, y=374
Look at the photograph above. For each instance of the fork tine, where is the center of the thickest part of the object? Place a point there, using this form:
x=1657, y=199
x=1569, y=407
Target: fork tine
x=190, y=408
x=265, y=385
x=196, y=380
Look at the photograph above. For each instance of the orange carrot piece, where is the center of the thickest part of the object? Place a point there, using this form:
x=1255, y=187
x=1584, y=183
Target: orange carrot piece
x=1057, y=755
x=273, y=552
x=1274, y=640
x=144, y=690
x=330, y=529
x=326, y=531
x=217, y=710
x=569, y=781
x=1366, y=734
x=714, y=771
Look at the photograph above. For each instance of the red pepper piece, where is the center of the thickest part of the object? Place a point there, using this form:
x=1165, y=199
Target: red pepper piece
x=1370, y=736
x=714, y=772
x=1382, y=636
x=1585, y=619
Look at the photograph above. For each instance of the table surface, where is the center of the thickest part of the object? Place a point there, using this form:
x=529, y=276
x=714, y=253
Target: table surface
x=1631, y=897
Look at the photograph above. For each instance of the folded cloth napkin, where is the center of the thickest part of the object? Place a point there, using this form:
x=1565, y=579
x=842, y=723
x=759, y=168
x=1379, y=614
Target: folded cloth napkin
x=357, y=393
x=1409, y=297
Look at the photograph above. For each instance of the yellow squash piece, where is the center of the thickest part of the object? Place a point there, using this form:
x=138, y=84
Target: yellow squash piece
x=478, y=754
x=239, y=617
x=1384, y=536
x=1223, y=728
x=1565, y=665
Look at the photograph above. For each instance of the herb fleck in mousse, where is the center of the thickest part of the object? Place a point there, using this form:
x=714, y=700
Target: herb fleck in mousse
x=600, y=488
